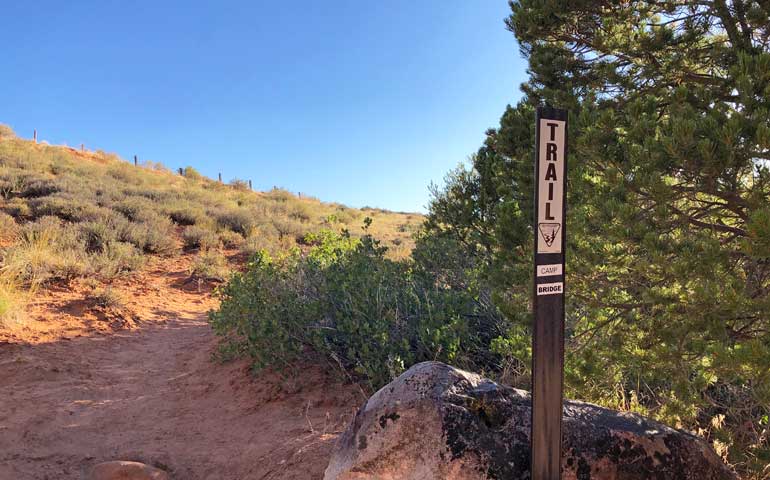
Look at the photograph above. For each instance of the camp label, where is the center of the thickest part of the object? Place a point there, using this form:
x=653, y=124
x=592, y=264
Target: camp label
x=549, y=270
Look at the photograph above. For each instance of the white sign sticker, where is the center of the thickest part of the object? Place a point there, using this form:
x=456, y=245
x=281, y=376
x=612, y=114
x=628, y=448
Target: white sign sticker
x=550, y=185
x=550, y=288
x=548, y=270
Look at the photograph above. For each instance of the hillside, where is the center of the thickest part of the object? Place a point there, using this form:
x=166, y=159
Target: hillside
x=80, y=221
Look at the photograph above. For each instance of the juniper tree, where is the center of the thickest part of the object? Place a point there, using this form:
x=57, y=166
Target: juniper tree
x=669, y=194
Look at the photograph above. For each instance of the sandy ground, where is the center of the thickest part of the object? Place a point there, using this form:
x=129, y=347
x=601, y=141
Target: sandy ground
x=80, y=385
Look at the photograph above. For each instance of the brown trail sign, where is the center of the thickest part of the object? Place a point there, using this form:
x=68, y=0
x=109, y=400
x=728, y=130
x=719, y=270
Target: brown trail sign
x=548, y=295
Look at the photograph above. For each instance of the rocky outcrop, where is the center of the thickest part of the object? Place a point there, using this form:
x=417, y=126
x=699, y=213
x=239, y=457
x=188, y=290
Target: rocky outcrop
x=120, y=470
x=436, y=422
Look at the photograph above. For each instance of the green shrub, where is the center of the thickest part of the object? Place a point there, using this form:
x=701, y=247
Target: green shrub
x=280, y=195
x=117, y=258
x=255, y=243
x=210, y=265
x=66, y=207
x=97, y=234
x=156, y=194
x=187, y=215
x=266, y=238
x=289, y=228
x=136, y=208
x=13, y=180
x=40, y=187
x=231, y=239
x=17, y=208
x=238, y=220
x=8, y=227
x=107, y=298
x=124, y=172
x=6, y=189
x=301, y=211
x=343, y=215
x=195, y=236
x=159, y=237
x=343, y=300
x=192, y=174
x=151, y=236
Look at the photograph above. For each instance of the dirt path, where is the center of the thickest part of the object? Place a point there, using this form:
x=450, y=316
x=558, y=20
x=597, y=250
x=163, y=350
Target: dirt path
x=152, y=394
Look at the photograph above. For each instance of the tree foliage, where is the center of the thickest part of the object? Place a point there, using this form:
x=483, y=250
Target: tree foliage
x=669, y=208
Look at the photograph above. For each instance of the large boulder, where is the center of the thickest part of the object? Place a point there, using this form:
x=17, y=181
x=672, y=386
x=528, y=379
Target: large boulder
x=438, y=422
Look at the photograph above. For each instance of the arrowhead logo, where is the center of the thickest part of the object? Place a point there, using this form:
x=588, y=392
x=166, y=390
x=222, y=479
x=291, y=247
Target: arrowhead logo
x=549, y=232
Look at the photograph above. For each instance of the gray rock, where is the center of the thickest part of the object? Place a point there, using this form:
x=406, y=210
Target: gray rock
x=438, y=422
x=119, y=470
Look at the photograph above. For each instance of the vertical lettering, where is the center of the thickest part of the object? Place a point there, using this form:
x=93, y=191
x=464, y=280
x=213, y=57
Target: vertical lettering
x=550, y=173
x=550, y=158
x=548, y=215
x=550, y=152
x=553, y=130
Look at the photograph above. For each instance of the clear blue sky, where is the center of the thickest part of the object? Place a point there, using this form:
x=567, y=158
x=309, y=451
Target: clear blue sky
x=359, y=102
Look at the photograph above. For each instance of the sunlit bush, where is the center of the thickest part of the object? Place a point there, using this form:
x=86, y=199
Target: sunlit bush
x=238, y=220
x=195, y=236
x=210, y=265
x=344, y=300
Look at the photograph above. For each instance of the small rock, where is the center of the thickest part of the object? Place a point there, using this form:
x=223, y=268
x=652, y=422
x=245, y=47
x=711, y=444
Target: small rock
x=120, y=470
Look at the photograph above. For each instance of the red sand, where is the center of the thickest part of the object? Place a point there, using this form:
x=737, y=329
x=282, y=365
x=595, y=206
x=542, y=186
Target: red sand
x=83, y=385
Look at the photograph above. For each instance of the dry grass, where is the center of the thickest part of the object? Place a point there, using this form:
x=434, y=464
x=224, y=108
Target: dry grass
x=13, y=300
x=107, y=298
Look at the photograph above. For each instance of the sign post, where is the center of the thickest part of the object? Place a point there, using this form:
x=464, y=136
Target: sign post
x=548, y=296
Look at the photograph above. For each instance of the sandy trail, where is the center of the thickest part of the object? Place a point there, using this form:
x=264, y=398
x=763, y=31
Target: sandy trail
x=152, y=394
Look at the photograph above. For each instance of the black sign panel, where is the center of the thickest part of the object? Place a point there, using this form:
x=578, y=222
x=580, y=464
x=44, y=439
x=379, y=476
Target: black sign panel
x=548, y=296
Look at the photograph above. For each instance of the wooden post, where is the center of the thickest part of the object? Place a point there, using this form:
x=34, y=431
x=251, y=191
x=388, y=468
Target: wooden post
x=82, y=147
x=34, y=135
x=250, y=185
x=548, y=292
x=136, y=161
